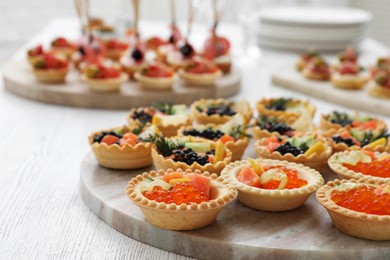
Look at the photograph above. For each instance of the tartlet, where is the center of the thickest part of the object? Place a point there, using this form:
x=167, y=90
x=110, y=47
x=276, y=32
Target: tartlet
x=317, y=69
x=168, y=161
x=199, y=72
x=304, y=59
x=266, y=126
x=217, y=50
x=313, y=157
x=344, y=165
x=273, y=199
x=50, y=68
x=155, y=77
x=349, y=76
x=103, y=78
x=133, y=63
x=379, y=86
x=219, y=111
x=63, y=46
x=34, y=52
x=285, y=108
x=351, y=222
x=115, y=48
x=337, y=120
x=356, y=139
x=126, y=155
x=181, y=217
x=167, y=117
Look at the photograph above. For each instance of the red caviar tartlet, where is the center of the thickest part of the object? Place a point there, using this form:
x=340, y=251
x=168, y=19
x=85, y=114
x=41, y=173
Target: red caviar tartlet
x=115, y=48
x=359, y=208
x=358, y=164
x=272, y=185
x=178, y=200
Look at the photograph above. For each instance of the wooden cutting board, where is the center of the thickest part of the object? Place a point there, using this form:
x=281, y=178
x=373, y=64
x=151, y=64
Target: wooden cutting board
x=290, y=78
x=19, y=79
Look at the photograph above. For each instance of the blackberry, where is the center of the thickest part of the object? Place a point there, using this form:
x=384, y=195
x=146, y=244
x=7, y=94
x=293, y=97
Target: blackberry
x=187, y=50
x=207, y=133
x=338, y=139
x=288, y=148
x=221, y=110
x=142, y=116
x=189, y=157
x=137, y=55
x=280, y=127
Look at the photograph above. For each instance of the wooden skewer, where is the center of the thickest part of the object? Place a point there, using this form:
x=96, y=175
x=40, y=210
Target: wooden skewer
x=173, y=12
x=191, y=14
x=136, y=16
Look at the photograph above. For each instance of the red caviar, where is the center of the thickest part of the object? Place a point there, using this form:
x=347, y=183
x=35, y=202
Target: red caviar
x=180, y=193
x=363, y=199
x=292, y=175
x=375, y=168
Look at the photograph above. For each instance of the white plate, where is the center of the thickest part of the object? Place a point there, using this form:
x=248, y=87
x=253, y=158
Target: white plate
x=315, y=16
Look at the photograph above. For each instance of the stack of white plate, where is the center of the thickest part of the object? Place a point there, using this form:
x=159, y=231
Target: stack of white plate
x=319, y=28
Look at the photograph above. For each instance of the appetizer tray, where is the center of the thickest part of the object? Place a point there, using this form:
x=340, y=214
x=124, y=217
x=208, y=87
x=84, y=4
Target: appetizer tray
x=238, y=233
x=19, y=79
x=289, y=78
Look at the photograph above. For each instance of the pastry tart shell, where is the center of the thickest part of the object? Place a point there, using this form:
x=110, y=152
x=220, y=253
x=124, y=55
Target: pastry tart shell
x=326, y=125
x=206, y=79
x=345, y=173
x=273, y=200
x=352, y=82
x=376, y=90
x=353, y=223
x=66, y=51
x=315, y=161
x=105, y=85
x=121, y=157
x=284, y=115
x=183, y=216
x=115, y=55
x=162, y=163
x=51, y=75
x=154, y=83
x=204, y=119
x=314, y=76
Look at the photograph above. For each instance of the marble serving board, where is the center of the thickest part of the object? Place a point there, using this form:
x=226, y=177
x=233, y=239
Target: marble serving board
x=238, y=233
x=19, y=79
x=290, y=78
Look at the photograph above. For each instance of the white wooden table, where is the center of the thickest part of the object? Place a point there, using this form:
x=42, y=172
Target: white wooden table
x=42, y=215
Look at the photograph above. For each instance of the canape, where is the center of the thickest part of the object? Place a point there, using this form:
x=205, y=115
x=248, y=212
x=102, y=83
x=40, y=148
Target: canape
x=337, y=120
x=34, y=52
x=356, y=139
x=272, y=185
x=358, y=208
x=153, y=43
x=349, y=75
x=178, y=200
x=349, y=55
x=232, y=134
x=50, y=68
x=133, y=63
x=358, y=164
x=166, y=116
x=155, y=76
x=199, y=72
x=305, y=58
x=177, y=56
x=63, y=46
x=217, y=50
x=317, y=69
x=190, y=153
x=100, y=77
x=123, y=147
x=115, y=48
x=382, y=64
x=380, y=85
x=312, y=151
x=285, y=108
x=219, y=111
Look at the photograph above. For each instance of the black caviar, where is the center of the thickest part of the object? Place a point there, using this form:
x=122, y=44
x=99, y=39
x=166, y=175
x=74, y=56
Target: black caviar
x=188, y=156
x=208, y=133
x=288, y=148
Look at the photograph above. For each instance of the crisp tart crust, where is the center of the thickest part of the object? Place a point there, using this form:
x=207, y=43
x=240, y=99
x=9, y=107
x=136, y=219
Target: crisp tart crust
x=183, y=216
x=353, y=223
x=273, y=200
